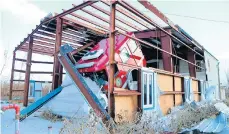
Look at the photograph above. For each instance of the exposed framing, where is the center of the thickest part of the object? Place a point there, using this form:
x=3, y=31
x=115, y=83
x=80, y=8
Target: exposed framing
x=60, y=29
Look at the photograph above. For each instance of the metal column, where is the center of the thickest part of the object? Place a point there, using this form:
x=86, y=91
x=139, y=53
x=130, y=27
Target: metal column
x=27, y=73
x=12, y=76
x=166, y=44
x=192, y=68
x=57, y=68
x=111, y=61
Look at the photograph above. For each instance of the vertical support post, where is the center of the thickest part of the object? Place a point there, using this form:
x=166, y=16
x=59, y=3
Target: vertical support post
x=192, y=68
x=220, y=91
x=60, y=75
x=12, y=76
x=57, y=68
x=166, y=44
x=111, y=61
x=27, y=73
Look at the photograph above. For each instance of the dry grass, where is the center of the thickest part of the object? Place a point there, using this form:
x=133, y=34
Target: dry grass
x=48, y=115
x=18, y=95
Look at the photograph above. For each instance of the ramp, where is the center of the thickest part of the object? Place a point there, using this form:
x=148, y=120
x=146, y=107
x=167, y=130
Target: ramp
x=38, y=104
x=78, y=80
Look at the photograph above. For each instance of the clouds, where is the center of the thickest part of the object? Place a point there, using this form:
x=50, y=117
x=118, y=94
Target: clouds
x=23, y=10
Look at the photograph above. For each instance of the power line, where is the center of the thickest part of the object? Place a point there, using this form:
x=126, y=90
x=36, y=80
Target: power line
x=198, y=18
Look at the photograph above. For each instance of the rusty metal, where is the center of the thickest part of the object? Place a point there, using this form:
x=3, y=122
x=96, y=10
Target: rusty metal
x=39, y=51
x=191, y=58
x=89, y=21
x=149, y=34
x=27, y=73
x=43, y=43
x=84, y=25
x=33, y=72
x=56, y=16
x=102, y=18
x=83, y=47
x=36, y=51
x=66, y=36
x=60, y=75
x=111, y=105
x=40, y=72
x=12, y=76
x=42, y=62
x=18, y=70
x=145, y=18
x=39, y=47
x=166, y=44
x=155, y=11
x=151, y=45
x=118, y=18
x=122, y=11
x=35, y=81
x=53, y=41
x=56, y=65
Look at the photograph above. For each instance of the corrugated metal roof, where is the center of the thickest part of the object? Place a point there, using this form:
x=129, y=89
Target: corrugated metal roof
x=213, y=125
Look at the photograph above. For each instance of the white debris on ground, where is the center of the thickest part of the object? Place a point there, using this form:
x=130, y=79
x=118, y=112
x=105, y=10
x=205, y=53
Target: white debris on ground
x=70, y=102
x=187, y=117
x=71, y=105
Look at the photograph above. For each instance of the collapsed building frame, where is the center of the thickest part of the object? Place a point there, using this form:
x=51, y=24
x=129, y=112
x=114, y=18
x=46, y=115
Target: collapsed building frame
x=66, y=28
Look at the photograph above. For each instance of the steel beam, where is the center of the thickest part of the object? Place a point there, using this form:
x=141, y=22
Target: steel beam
x=153, y=46
x=166, y=45
x=42, y=62
x=192, y=68
x=12, y=76
x=35, y=81
x=89, y=21
x=103, y=19
x=118, y=18
x=78, y=7
x=39, y=47
x=111, y=105
x=27, y=74
x=65, y=36
x=150, y=34
x=122, y=11
x=84, y=25
x=20, y=71
x=150, y=21
x=57, y=75
x=155, y=11
x=37, y=51
x=82, y=48
x=159, y=14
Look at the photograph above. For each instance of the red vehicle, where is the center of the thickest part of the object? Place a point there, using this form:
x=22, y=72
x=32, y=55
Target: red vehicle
x=94, y=63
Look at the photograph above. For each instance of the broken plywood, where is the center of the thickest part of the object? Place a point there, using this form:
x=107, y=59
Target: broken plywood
x=125, y=108
x=166, y=102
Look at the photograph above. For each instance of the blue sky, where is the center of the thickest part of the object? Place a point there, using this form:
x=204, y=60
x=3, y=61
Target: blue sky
x=19, y=17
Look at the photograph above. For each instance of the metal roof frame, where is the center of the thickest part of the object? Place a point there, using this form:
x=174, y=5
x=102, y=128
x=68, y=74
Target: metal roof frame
x=78, y=33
